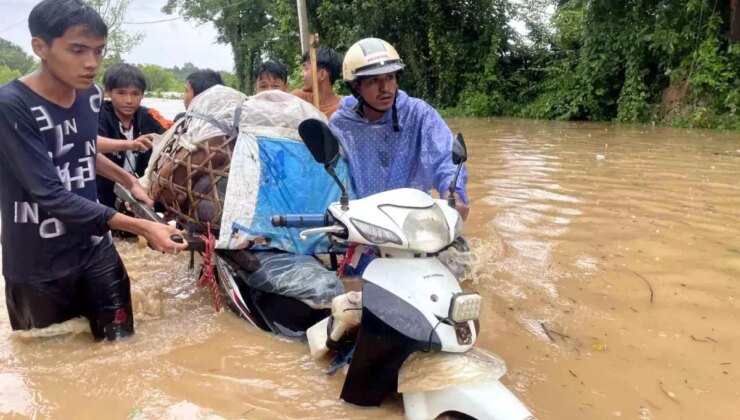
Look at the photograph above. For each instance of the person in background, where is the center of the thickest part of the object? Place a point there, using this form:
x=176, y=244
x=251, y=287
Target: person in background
x=197, y=83
x=270, y=75
x=124, y=120
x=329, y=66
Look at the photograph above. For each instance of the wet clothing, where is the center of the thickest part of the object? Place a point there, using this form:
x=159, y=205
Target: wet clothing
x=418, y=155
x=48, y=199
x=145, y=121
x=327, y=108
x=58, y=258
x=100, y=292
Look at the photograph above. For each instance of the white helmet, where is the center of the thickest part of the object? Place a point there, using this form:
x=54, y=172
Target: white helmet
x=370, y=57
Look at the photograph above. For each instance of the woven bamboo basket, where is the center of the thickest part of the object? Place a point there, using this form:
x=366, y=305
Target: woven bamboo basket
x=192, y=184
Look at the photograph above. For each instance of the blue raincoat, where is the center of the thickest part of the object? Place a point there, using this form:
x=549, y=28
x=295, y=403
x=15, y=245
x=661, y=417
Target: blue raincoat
x=381, y=159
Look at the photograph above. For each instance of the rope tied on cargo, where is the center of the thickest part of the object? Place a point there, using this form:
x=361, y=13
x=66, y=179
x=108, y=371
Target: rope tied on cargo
x=346, y=259
x=228, y=130
x=208, y=278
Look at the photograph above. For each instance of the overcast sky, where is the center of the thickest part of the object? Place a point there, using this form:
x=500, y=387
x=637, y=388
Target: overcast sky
x=167, y=44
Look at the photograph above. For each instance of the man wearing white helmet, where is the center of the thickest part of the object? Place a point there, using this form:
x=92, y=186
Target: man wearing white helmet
x=390, y=139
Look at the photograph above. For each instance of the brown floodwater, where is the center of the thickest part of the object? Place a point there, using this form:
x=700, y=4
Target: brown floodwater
x=608, y=257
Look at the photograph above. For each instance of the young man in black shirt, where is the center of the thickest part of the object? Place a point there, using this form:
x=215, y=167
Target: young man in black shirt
x=59, y=261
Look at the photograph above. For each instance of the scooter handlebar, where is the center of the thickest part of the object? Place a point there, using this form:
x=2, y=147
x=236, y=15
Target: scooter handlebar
x=302, y=220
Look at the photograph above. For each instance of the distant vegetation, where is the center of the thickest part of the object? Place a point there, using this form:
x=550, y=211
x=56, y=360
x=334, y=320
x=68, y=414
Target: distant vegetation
x=662, y=61
x=638, y=61
x=15, y=62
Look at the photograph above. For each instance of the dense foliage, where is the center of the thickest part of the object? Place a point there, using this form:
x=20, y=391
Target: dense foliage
x=14, y=63
x=625, y=60
x=664, y=61
x=162, y=79
x=640, y=61
x=13, y=57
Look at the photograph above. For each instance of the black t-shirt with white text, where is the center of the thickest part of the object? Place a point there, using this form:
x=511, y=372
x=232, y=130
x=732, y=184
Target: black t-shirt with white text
x=51, y=219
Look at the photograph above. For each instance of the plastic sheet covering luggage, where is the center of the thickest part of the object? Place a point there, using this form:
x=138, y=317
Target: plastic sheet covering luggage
x=235, y=161
x=301, y=277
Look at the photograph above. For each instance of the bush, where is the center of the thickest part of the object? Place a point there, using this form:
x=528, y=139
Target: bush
x=6, y=74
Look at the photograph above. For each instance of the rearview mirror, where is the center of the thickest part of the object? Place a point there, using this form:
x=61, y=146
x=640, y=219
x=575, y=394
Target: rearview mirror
x=324, y=147
x=319, y=139
x=459, y=151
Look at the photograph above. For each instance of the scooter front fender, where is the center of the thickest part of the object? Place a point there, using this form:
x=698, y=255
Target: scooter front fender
x=485, y=401
x=467, y=383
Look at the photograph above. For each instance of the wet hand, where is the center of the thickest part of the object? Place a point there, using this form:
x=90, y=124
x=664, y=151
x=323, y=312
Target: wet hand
x=160, y=238
x=142, y=144
x=460, y=206
x=140, y=194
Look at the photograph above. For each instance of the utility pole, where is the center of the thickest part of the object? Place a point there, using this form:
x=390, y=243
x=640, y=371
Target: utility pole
x=303, y=24
x=314, y=71
x=735, y=20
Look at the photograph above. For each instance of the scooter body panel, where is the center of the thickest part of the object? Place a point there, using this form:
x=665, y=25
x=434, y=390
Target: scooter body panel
x=425, y=284
x=389, y=211
x=390, y=331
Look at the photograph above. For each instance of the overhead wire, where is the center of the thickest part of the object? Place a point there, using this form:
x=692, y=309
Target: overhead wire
x=13, y=25
x=181, y=17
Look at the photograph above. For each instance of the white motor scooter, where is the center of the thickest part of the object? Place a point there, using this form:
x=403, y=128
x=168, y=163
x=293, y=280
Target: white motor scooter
x=410, y=302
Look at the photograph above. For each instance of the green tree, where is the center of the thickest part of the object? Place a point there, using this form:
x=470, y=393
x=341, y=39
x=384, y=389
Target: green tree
x=182, y=72
x=13, y=57
x=245, y=26
x=230, y=79
x=626, y=60
x=641, y=60
x=159, y=79
x=113, y=12
x=7, y=74
x=451, y=49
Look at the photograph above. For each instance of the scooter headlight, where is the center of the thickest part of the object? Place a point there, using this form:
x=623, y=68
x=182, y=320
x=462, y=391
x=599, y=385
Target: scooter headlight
x=376, y=234
x=465, y=307
x=426, y=229
x=458, y=227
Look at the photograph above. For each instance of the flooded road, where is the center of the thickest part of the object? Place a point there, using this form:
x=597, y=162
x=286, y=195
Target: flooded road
x=608, y=258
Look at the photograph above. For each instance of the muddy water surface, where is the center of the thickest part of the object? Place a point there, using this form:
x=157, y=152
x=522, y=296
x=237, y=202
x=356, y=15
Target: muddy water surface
x=608, y=257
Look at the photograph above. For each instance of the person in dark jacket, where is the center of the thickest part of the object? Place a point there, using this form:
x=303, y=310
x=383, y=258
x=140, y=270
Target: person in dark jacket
x=123, y=118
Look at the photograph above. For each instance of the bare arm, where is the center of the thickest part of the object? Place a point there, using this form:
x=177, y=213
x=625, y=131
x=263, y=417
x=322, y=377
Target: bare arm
x=106, y=145
x=25, y=153
x=158, y=235
x=108, y=169
x=460, y=206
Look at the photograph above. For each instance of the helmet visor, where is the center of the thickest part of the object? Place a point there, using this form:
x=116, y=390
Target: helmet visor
x=381, y=67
